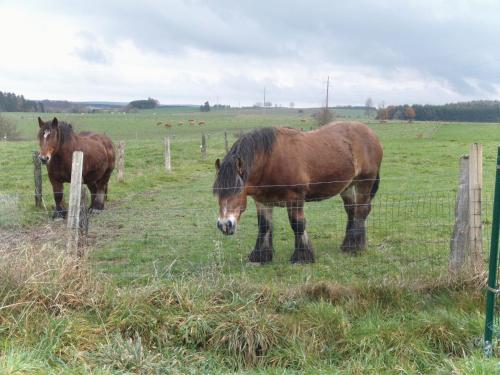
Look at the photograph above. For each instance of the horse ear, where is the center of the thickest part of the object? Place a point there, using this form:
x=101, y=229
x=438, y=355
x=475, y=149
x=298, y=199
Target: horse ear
x=217, y=165
x=40, y=122
x=239, y=166
x=55, y=122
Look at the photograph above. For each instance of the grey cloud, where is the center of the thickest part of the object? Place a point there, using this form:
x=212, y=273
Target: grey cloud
x=451, y=41
x=91, y=54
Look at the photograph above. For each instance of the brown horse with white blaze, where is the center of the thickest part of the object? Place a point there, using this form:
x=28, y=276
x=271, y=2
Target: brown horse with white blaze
x=58, y=141
x=285, y=167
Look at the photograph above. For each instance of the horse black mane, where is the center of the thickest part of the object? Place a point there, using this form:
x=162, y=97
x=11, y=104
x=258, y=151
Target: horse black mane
x=228, y=182
x=65, y=130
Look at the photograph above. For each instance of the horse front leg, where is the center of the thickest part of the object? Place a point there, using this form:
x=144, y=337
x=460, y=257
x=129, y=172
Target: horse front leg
x=263, y=250
x=303, y=249
x=58, y=190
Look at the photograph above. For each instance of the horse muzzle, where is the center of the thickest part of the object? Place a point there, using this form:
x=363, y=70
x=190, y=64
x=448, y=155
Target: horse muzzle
x=227, y=226
x=44, y=159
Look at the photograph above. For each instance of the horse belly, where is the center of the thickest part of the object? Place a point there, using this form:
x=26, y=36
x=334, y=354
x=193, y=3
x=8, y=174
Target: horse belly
x=329, y=190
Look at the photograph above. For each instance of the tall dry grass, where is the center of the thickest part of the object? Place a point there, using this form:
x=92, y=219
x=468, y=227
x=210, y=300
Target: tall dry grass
x=46, y=277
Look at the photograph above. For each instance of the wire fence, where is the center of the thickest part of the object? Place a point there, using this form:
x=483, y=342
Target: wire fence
x=144, y=235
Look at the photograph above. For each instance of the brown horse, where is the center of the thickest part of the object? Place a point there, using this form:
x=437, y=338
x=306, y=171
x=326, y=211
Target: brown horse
x=57, y=143
x=285, y=167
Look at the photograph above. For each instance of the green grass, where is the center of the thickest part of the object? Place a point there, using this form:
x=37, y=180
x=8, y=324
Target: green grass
x=176, y=296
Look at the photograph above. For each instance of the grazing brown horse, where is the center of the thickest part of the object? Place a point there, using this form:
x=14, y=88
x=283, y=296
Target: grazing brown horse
x=57, y=143
x=285, y=167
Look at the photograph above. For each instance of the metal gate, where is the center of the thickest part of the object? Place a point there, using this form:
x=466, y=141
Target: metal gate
x=492, y=323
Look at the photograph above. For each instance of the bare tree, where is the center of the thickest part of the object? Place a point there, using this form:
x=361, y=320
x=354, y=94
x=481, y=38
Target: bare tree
x=368, y=107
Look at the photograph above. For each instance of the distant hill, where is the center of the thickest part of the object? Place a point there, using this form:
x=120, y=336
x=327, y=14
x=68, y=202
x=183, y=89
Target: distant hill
x=102, y=105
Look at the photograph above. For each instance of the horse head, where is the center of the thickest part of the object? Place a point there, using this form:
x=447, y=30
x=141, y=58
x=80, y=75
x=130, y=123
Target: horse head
x=48, y=137
x=229, y=188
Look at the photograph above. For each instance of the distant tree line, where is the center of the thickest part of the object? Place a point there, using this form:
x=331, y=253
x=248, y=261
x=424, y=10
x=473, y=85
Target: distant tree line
x=474, y=111
x=10, y=102
x=149, y=103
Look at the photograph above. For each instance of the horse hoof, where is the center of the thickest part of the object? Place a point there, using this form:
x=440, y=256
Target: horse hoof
x=351, y=248
x=95, y=211
x=59, y=215
x=302, y=257
x=260, y=256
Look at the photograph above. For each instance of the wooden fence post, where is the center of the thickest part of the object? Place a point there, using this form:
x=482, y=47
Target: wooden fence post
x=168, y=162
x=83, y=226
x=73, y=224
x=203, y=146
x=225, y=142
x=475, y=223
x=37, y=170
x=466, y=243
x=121, y=161
x=459, y=239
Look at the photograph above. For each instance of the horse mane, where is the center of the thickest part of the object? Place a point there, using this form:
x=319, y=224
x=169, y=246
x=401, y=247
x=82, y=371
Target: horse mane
x=65, y=131
x=228, y=182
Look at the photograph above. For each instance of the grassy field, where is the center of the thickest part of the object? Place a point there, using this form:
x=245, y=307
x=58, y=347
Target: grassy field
x=162, y=291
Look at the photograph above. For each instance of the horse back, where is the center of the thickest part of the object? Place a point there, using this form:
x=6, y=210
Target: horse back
x=317, y=164
x=105, y=142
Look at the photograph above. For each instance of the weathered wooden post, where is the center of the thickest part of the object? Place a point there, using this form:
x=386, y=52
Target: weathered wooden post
x=475, y=222
x=225, y=142
x=168, y=162
x=83, y=227
x=466, y=244
x=37, y=171
x=459, y=239
x=73, y=224
x=121, y=161
x=203, y=146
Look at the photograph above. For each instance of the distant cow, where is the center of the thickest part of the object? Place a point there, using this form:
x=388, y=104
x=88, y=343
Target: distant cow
x=201, y=123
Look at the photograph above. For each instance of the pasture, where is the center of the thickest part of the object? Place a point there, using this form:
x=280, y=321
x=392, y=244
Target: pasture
x=163, y=291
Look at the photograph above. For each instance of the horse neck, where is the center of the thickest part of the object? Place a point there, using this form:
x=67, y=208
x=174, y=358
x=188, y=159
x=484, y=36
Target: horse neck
x=256, y=173
x=66, y=149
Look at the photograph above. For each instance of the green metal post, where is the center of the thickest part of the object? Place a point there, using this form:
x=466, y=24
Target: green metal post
x=492, y=276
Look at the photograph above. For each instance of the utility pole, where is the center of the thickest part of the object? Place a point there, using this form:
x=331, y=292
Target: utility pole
x=264, y=103
x=327, y=89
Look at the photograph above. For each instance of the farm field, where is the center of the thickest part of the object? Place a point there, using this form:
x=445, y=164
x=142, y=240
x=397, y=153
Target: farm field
x=162, y=291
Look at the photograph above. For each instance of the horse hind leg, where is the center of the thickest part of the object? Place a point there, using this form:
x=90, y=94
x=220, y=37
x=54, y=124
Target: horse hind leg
x=99, y=198
x=263, y=250
x=93, y=193
x=102, y=191
x=357, y=204
x=303, y=249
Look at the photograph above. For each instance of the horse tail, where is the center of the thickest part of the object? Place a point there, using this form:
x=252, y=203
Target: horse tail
x=375, y=186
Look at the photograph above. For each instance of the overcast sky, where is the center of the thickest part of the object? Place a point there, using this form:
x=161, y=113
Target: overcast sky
x=226, y=50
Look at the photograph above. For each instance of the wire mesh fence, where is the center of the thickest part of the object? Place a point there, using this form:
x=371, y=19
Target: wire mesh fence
x=145, y=235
